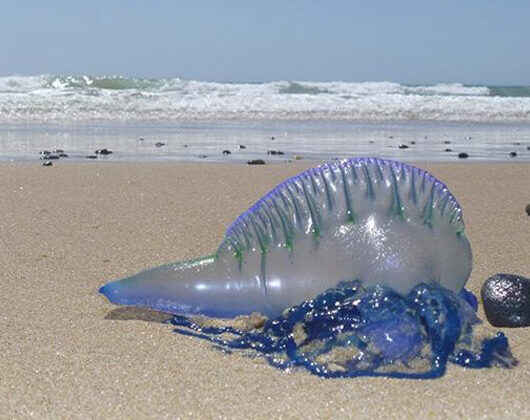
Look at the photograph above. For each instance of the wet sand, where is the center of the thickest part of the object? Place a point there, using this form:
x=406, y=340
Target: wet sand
x=67, y=353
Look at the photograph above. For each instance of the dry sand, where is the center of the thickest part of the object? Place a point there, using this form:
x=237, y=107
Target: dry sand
x=65, y=352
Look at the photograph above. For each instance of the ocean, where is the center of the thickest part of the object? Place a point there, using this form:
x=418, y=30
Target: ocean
x=186, y=120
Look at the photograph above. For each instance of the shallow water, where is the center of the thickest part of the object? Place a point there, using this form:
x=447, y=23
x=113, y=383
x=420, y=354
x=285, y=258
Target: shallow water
x=314, y=140
x=349, y=331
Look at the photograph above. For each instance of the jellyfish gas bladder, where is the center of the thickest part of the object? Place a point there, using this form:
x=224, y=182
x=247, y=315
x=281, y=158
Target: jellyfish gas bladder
x=367, y=219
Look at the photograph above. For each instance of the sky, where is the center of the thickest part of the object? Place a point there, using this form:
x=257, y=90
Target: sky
x=472, y=41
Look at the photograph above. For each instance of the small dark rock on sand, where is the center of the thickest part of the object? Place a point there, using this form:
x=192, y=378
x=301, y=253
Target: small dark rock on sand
x=242, y=146
x=275, y=152
x=527, y=209
x=527, y=147
x=448, y=150
x=506, y=299
x=256, y=162
x=463, y=155
x=403, y=146
x=159, y=144
x=50, y=156
x=103, y=152
x=412, y=142
x=227, y=152
x=91, y=157
x=513, y=154
x=447, y=142
x=47, y=163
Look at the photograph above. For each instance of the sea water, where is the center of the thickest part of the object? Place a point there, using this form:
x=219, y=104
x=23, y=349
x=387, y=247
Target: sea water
x=197, y=120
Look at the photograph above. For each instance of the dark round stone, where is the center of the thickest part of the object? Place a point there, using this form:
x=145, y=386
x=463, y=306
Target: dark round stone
x=513, y=154
x=256, y=162
x=463, y=155
x=506, y=299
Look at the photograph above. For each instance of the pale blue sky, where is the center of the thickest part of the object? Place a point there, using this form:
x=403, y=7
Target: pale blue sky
x=472, y=41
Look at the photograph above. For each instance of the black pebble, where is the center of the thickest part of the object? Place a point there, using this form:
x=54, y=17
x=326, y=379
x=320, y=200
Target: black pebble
x=527, y=209
x=256, y=162
x=91, y=157
x=448, y=150
x=103, y=152
x=412, y=142
x=272, y=138
x=50, y=156
x=242, y=146
x=159, y=144
x=227, y=152
x=403, y=146
x=275, y=152
x=513, y=154
x=463, y=155
x=506, y=299
x=47, y=163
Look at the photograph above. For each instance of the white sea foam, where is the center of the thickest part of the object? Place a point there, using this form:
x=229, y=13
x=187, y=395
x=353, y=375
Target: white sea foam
x=72, y=98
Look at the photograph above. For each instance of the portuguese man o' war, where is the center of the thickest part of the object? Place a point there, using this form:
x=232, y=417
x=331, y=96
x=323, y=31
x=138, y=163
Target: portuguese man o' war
x=359, y=264
x=379, y=221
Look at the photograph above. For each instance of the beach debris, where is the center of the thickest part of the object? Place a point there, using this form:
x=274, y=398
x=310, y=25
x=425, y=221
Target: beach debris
x=527, y=209
x=242, y=146
x=227, y=152
x=159, y=144
x=275, y=152
x=103, y=152
x=412, y=142
x=403, y=146
x=91, y=157
x=47, y=163
x=448, y=150
x=513, y=154
x=273, y=138
x=506, y=299
x=256, y=162
x=463, y=155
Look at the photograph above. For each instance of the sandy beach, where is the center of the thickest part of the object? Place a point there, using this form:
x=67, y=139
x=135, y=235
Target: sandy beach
x=66, y=352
